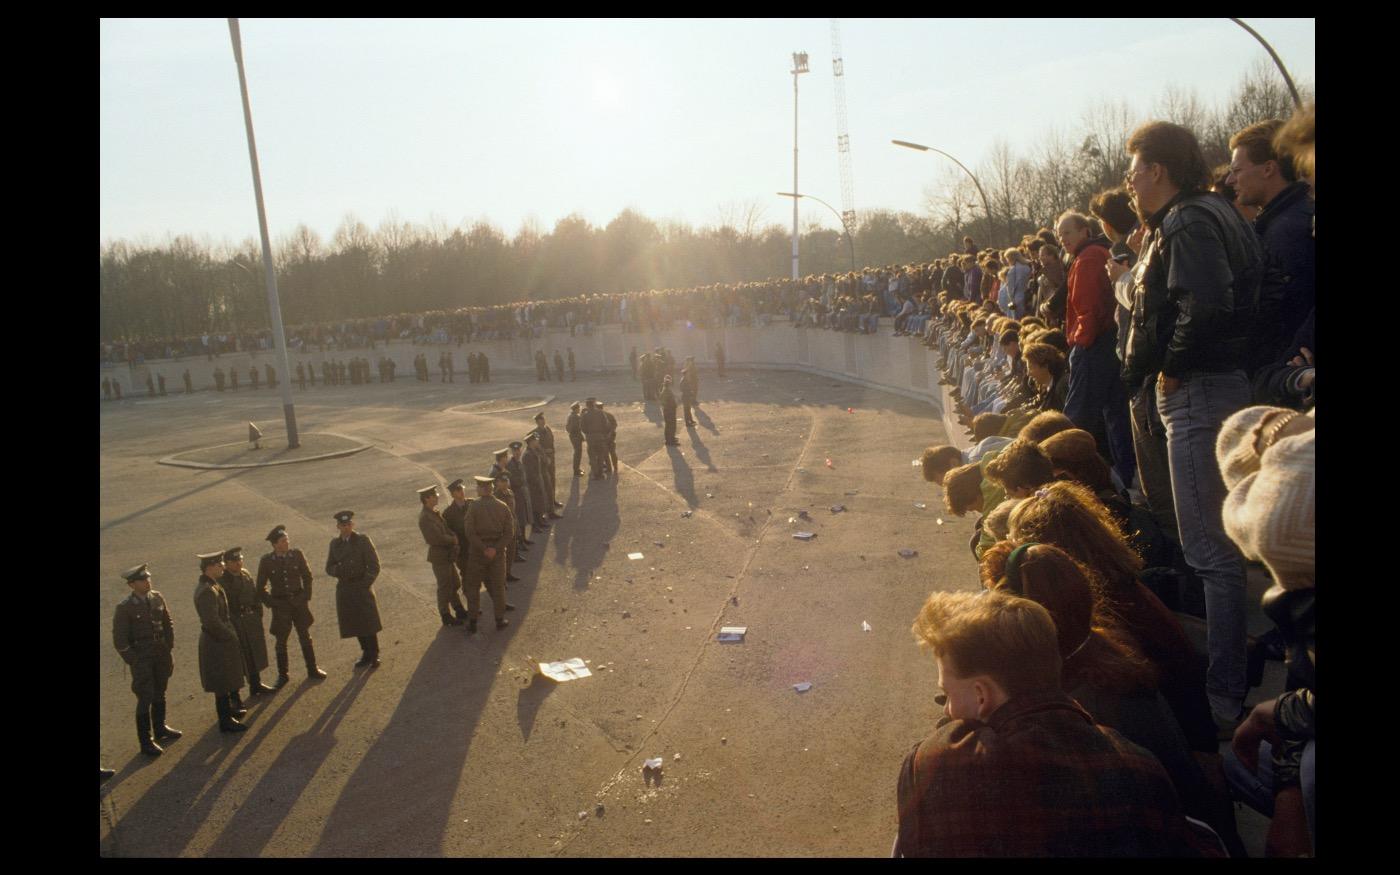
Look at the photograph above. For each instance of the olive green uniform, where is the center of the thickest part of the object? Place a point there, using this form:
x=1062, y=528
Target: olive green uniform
x=220, y=655
x=488, y=523
x=144, y=634
x=354, y=563
x=284, y=584
x=452, y=515
x=442, y=554
x=246, y=614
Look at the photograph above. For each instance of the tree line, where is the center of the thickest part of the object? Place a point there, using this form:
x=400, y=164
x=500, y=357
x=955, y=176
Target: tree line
x=183, y=287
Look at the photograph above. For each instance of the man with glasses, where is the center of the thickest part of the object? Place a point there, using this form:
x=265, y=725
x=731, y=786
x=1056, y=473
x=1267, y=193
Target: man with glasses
x=1197, y=289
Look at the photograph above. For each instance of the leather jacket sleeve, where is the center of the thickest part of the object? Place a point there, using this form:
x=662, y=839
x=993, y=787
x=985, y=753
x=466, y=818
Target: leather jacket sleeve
x=1199, y=284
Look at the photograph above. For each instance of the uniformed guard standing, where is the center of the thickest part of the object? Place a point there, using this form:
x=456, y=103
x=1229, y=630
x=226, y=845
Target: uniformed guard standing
x=550, y=471
x=301, y=375
x=610, y=454
x=573, y=378
x=503, y=493
x=532, y=461
x=524, y=506
x=284, y=584
x=575, y=431
x=117, y=388
x=144, y=634
x=220, y=662
x=253, y=376
x=150, y=386
x=485, y=368
x=595, y=434
x=668, y=411
x=719, y=359
x=519, y=504
x=189, y=383
x=690, y=390
x=219, y=379
x=541, y=367
x=453, y=514
x=647, y=366
x=354, y=563
x=271, y=377
x=107, y=388
x=160, y=381
x=246, y=613
x=559, y=365
x=632, y=360
x=451, y=367
x=490, y=531
x=443, y=549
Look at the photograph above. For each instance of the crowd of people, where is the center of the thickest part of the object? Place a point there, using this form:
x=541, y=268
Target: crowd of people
x=1140, y=392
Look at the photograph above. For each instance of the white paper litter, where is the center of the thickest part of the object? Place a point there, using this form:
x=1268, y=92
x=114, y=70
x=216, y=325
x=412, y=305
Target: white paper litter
x=939, y=521
x=838, y=508
x=802, y=687
x=733, y=633
x=568, y=670
x=864, y=626
x=634, y=555
x=920, y=505
x=653, y=763
x=916, y=463
x=804, y=536
x=908, y=553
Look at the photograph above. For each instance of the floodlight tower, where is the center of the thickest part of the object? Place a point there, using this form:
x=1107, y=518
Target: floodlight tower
x=843, y=137
x=799, y=66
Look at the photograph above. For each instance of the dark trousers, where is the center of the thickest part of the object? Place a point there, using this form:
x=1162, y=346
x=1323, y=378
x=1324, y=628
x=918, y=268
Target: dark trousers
x=1097, y=402
x=369, y=644
x=578, y=453
x=670, y=416
x=1150, y=448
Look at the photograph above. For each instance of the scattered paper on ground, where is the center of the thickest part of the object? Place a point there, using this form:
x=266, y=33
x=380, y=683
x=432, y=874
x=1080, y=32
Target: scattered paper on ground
x=920, y=505
x=838, y=508
x=733, y=633
x=804, y=536
x=634, y=555
x=802, y=687
x=908, y=553
x=864, y=626
x=653, y=763
x=568, y=670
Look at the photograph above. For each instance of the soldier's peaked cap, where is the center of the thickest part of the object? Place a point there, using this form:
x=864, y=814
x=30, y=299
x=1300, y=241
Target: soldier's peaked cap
x=540, y=415
x=503, y=451
x=575, y=406
x=140, y=572
x=207, y=559
x=515, y=445
x=345, y=516
x=532, y=436
x=428, y=490
x=484, y=481
x=276, y=534
x=455, y=485
x=233, y=554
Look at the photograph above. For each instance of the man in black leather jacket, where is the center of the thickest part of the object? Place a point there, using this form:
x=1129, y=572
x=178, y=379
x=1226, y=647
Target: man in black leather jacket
x=1196, y=292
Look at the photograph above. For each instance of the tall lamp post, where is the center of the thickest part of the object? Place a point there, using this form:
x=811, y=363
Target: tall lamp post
x=799, y=66
x=850, y=238
x=273, y=303
x=985, y=207
x=1278, y=62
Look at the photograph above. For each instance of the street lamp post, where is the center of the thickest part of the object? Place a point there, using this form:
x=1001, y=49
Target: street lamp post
x=850, y=238
x=799, y=66
x=1278, y=62
x=985, y=207
x=273, y=303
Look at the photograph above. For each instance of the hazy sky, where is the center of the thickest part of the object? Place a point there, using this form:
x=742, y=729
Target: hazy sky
x=454, y=121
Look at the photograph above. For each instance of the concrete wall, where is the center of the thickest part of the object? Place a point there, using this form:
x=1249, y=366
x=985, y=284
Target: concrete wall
x=895, y=364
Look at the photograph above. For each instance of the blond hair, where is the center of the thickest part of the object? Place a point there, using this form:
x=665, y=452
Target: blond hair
x=1009, y=639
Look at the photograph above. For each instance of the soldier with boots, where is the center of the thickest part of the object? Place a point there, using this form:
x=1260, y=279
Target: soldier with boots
x=502, y=492
x=610, y=453
x=246, y=614
x=490, y=530
x=220, y=659
x=284, y=584
x=354, y=563
x=559, y=365
x=668, y=412
x=443, y=549
x=547, y=448
x=575, y=431
x=532, y=460
x=189, y=382
x=144, y=634
x=219, y=379
x=453, y=515
x=595, y=434
x=524, y=507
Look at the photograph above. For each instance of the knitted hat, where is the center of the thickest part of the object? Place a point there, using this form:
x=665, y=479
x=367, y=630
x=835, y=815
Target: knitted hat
x=1248, y=433
x=1272, y=513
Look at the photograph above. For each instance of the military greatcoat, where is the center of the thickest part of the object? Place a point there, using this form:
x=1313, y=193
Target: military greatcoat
x=220, y=656
x=354, y=563
x=246, y=613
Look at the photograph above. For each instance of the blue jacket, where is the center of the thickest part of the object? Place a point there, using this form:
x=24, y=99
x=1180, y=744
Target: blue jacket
x=1289, y=287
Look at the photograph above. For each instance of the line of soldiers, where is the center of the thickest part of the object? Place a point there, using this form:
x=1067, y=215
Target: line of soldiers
x=542, y=366
x=475, y=542
x=596, y=428
x=446, y=370
x=232, y=645
x=478, y=367
x=654, y=367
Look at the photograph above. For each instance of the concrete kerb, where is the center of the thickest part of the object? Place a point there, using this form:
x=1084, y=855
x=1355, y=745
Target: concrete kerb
x=177, y=462
x=464, y=408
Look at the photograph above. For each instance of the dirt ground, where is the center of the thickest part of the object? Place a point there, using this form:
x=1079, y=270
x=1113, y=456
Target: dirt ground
x=456, y=746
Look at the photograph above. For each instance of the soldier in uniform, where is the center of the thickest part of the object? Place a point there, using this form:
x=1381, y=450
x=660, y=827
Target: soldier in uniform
x=150, y=386
x=220, y=659
x=519, y=503
x=271, y=377
x=719, y=359
x=490, y=530
x=573, y=378
x=610, y=455
x=246, y=614
x=647, y=368
x=524, y=505
x=189, y=383
x=559, y=365
x=451, y=368
x=502, y=492
x=668, y=412
x=541, y=367
x=472, y=369
x=485, y=368
x=160, y=381
x=219, y=379
x=690, y=390
x=311, y=374
x=301, y=376
x=354, y=563
x=144, y=634
x=325, y=373
x=632, y=360
x=443, y=549
x=284, y=584
x=253, y=376
x=453, y=514
x=117, y=388
x=532, y=460
x=107, y=388
x=595, y=434
x=575, y=431
x=547, y=448
x=233, y=378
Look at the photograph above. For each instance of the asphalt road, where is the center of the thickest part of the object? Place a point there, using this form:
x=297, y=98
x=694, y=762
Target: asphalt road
x=455, y=746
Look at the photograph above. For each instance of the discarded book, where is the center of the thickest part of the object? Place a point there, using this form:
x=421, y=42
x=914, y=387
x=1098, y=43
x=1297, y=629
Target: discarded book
x=568, y=670
x=733, y=633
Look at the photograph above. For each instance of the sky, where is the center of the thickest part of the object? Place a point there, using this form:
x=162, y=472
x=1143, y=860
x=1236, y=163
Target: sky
x=447, y=122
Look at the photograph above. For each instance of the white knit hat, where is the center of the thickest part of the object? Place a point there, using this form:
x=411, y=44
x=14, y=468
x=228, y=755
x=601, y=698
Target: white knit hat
x=1272, y=513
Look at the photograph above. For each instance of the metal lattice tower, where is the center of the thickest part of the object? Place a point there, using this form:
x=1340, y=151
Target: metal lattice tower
x=843, y=137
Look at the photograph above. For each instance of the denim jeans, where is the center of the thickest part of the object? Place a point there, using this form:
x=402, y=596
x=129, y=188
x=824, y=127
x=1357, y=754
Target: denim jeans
x=1256, y=789
x=1193, y=415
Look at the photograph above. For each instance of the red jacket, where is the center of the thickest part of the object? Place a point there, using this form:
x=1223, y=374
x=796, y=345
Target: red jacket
x=1089, y=309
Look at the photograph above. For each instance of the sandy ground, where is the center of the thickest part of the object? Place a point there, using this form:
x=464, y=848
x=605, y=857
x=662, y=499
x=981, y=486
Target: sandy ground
x=455, y=746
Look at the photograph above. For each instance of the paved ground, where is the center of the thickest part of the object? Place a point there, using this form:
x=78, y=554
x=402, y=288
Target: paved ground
x=454, y=746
